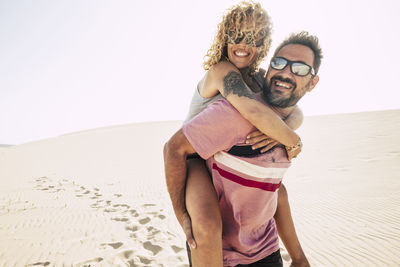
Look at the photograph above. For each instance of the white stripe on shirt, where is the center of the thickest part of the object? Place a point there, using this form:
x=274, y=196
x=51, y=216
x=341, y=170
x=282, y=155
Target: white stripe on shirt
x=248, y=168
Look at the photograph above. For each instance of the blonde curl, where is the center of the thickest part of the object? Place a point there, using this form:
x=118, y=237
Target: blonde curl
x=230, y=29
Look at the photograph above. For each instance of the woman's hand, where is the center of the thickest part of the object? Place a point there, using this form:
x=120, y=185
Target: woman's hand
x=258, y=139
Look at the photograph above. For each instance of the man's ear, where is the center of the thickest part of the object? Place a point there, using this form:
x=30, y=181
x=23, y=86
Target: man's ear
x=314, y=82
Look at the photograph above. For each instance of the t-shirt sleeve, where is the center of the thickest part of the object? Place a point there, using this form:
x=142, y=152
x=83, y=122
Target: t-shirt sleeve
x=219, y=127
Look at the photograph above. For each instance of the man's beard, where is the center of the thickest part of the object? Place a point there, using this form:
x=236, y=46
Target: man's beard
x=280, y=102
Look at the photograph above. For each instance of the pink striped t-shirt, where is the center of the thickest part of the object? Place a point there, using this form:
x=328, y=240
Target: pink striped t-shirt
x=246, y=187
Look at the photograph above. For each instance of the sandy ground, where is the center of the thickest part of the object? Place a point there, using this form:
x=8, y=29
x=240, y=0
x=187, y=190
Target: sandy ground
x=98, y=197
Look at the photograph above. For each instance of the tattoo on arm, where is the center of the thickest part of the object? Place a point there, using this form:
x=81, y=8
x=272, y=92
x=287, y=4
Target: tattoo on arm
x=234, y=84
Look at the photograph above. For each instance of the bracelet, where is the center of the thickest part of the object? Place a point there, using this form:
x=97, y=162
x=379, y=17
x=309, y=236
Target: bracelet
x=296, y=146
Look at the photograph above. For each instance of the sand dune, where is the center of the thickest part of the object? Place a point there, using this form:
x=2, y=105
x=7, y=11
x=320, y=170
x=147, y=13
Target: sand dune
x=98, y=197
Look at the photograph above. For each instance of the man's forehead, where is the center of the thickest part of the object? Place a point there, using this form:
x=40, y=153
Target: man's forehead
x=297, y=52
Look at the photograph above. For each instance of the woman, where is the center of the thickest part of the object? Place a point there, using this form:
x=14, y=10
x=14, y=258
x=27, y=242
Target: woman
x=242, y=42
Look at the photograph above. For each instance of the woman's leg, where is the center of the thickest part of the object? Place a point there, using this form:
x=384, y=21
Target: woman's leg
x=202, y=206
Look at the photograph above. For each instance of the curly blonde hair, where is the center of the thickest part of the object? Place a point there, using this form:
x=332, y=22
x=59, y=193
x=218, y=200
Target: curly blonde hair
x=231, y=28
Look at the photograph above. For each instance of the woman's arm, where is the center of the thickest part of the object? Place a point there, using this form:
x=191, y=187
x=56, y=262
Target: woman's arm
x=226, y=79
x=295, y=118
x=260, y=140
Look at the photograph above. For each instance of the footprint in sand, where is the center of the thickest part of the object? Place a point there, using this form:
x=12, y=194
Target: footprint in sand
x=39, y=264
x=96, y=196
x=176, y=249
x=46, y=184
x=122, y=205
x=144, y=260
x=152, y=232
x=141, y=222
x=110, y=210
x=145, y=220
x=134, y=213
x=132, y=228
x=88, y=263
x=127, y=255
x=153, y=248
x=124, y=219
x=116, y=245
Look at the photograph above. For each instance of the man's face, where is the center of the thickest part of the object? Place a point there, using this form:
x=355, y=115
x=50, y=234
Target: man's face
x=284, y=89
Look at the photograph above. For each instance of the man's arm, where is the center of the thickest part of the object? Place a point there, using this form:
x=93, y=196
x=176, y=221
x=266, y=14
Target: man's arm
x=287, y=231
x=175, y=152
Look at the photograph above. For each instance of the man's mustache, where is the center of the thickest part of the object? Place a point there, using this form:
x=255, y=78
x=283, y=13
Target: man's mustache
x=285, y=80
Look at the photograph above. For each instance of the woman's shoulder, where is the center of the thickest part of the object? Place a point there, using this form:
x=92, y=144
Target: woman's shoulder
x=211, y=82
x=222, y=67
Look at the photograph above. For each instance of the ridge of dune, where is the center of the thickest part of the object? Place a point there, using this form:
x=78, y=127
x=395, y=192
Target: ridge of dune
x=125, y=126
x=98, y=197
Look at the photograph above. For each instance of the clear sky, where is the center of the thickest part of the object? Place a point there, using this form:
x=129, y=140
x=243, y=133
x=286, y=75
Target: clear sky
x=71, y=65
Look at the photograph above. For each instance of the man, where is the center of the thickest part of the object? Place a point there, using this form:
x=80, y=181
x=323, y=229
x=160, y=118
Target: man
x=247, y=186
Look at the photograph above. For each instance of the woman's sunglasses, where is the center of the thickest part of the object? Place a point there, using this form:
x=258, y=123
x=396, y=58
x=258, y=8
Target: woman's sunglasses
x=296, y=67
x=248, y=38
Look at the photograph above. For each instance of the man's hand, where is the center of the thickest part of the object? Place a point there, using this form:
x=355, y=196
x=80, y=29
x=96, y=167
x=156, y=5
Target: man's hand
x=300, y=263
x=187, y=229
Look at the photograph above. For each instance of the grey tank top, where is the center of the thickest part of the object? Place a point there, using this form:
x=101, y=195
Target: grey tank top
x=199, y=103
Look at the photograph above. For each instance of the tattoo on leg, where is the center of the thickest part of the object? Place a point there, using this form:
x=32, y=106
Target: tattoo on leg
x=234, y=84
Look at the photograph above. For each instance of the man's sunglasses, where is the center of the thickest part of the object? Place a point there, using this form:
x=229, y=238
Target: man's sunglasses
x=248, y=38
x=296, y=67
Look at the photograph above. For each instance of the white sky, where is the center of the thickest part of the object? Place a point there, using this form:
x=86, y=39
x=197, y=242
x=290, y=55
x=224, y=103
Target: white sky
x=72, y=65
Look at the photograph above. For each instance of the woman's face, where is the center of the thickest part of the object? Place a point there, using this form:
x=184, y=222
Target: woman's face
x=242, y=55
